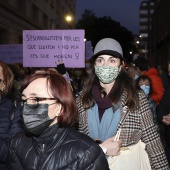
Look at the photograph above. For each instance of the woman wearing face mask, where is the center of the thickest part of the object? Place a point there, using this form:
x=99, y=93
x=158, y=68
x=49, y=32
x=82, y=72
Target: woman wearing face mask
x=145, y=83
x=109, y=102
x=49, y=111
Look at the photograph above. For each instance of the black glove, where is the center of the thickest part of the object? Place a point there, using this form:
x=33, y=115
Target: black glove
x=61, y=68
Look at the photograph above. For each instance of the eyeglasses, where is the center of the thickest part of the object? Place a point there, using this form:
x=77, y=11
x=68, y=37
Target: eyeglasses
x=33, y=102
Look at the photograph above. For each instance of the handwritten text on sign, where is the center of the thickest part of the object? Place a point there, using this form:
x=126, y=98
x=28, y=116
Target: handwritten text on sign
x=11, y=53
x=43, y=48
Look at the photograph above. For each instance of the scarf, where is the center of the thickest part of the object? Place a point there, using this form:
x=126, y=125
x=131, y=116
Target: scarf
x=103, y=118
x=105, y=128
x=102, y=103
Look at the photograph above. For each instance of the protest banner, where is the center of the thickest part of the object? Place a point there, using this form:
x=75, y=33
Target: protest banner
x=44, y=48
x=11, y=53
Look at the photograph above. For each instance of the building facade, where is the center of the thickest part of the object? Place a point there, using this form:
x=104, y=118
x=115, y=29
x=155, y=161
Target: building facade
x=19, y=15
x=145, y=13
x=160, y=35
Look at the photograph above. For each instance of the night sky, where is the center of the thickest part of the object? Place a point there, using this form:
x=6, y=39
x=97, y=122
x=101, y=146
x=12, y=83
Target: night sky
x=124, y=11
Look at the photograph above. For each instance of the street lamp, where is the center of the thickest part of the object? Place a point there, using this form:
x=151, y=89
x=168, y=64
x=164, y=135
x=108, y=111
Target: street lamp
x=62, y=22
x=69, y=21
x=68, y=18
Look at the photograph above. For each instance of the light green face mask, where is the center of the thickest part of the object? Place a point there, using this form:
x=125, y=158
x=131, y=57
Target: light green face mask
x=106, y=74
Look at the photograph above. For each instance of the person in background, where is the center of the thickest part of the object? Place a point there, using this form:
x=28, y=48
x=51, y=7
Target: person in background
x=109, y=101
x=49, y=112
x=160, y=70
x=157, y=87
x=132, y=72
x=145, y=83
x=163, y=113
x=10, y=115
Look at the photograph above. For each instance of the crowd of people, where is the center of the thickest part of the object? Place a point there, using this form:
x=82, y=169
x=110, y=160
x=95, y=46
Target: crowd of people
x=155, y=82
x=60, y=118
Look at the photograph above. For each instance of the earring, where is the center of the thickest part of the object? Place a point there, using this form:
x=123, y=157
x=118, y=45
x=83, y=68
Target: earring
x=56, y=115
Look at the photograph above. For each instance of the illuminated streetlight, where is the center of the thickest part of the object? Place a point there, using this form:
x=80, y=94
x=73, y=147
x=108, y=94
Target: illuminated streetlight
x=63, y=22
x=68, y=18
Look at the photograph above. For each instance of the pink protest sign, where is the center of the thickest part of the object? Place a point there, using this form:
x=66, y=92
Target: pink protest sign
x=11, y=53
x=43, y=48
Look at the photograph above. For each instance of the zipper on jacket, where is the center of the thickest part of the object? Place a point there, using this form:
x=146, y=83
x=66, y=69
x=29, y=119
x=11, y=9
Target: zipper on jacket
x=43, y=148
x=41, y=156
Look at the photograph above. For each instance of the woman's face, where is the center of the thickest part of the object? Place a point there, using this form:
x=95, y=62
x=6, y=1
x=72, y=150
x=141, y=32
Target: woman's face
x=107, y=69
x=2, y=86
x=107, y=60
x=39, y=89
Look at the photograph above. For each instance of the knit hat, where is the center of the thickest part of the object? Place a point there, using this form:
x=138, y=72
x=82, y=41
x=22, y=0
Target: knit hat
x=108, y=46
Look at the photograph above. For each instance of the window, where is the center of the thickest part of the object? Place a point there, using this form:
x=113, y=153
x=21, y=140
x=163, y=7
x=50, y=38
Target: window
x=143, y=27
x=144, y=4
x=143, y=19
x=35, y=13
x=143, y=35
x=21, y=6
x=4, y=36
x=143, y=11
x=45, y=20
x=151, y=11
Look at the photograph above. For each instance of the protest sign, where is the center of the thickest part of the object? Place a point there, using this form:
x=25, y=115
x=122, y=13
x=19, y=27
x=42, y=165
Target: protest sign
x=43, y=48
x=11, y=53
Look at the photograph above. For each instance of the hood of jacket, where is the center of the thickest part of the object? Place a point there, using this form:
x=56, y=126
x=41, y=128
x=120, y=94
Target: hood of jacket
x=151, y=71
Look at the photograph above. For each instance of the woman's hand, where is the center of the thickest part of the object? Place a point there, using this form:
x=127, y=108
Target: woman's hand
x=113, y=147
x=166, y=119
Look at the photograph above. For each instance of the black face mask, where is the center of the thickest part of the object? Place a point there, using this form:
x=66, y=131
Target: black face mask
x=36, y=120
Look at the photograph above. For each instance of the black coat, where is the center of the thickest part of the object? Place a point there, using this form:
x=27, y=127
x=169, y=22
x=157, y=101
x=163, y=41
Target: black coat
x=163, y=107
x=8, y=126
x=56, y=149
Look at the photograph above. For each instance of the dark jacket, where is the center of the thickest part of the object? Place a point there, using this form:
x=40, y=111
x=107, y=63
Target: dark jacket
x=164, y=106
x=56, y=149
x=10, y=124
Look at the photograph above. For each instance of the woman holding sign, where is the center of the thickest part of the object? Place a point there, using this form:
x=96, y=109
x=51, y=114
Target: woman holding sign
x=110, y=104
